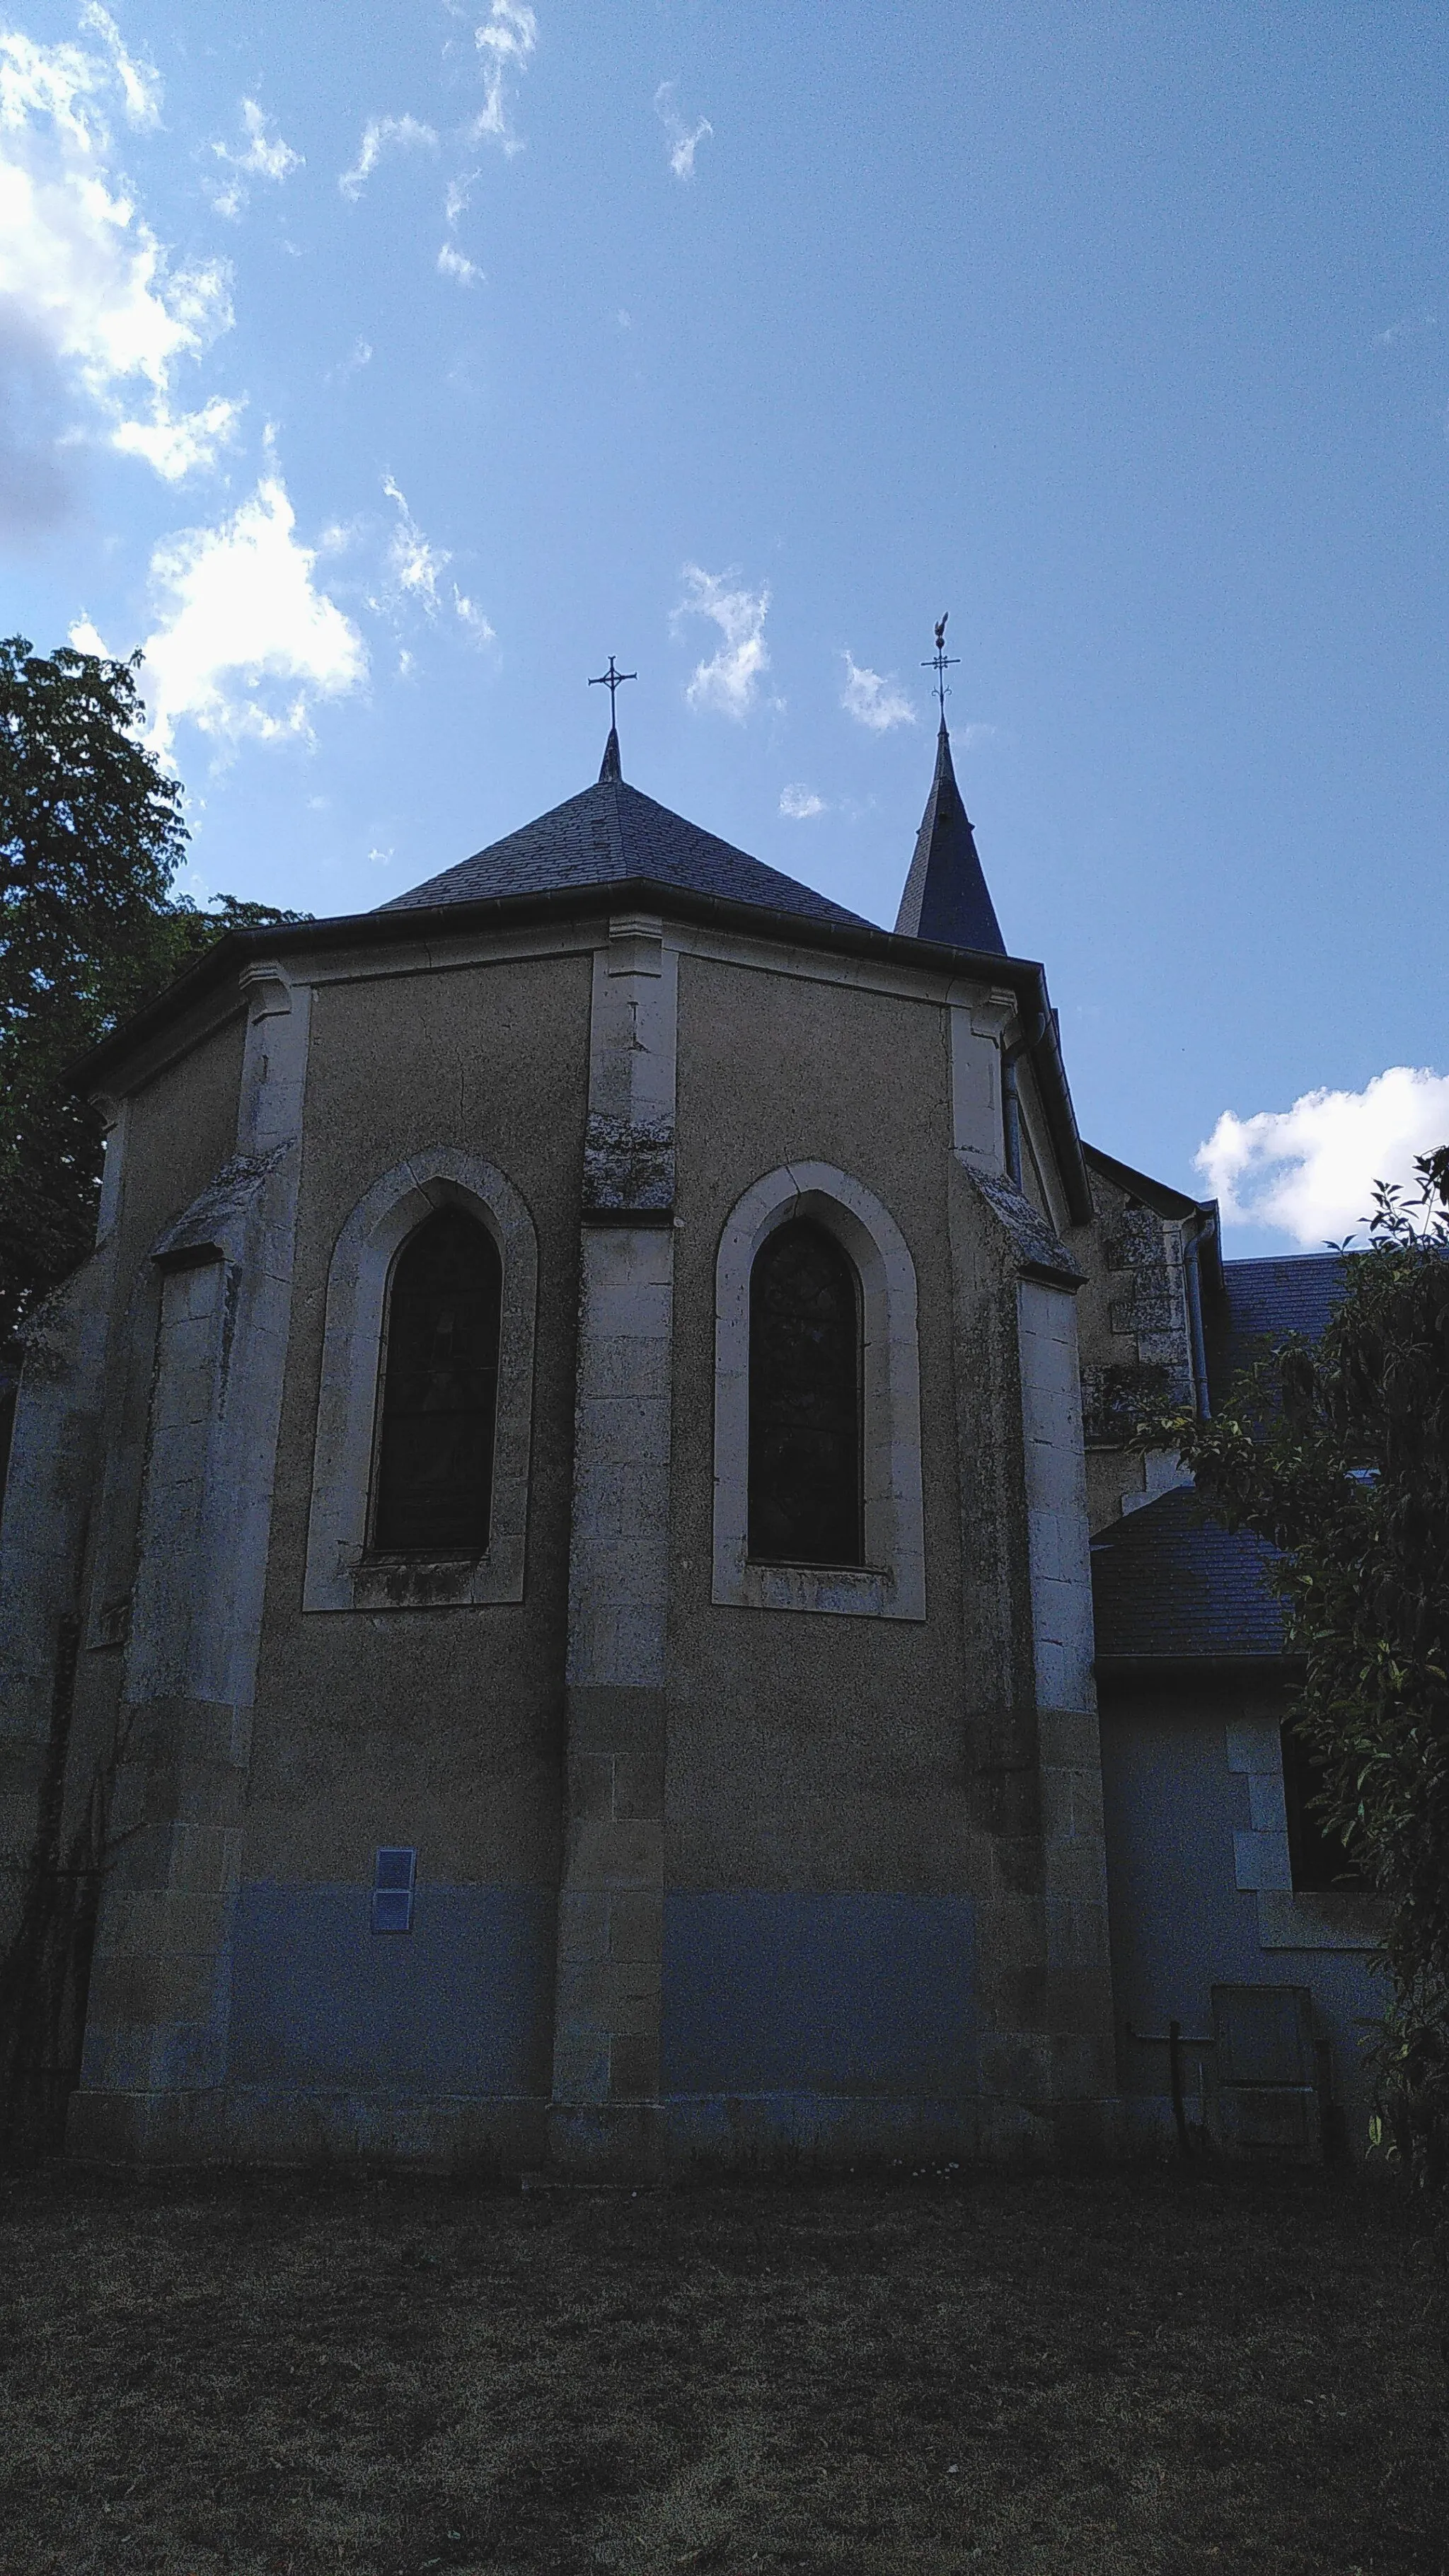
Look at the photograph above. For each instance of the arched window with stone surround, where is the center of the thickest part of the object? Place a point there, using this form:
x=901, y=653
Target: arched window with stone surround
x=805, y=1497
x=346, y=1568
x=816, y=1377
x=434, y=1474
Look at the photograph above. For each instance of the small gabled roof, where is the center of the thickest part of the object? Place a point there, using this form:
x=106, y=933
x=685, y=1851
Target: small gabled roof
x=1171, y=1584
x=1157, y=1195
x=946, y=894
x=608, y=833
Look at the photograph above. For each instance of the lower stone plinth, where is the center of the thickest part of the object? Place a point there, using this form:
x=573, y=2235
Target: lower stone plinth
x=623, y=2142
x=247, y=2125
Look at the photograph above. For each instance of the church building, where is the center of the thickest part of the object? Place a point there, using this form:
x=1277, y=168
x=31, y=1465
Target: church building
x=551, y=1548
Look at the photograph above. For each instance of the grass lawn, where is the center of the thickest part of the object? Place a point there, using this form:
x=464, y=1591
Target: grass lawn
x=1140, y=2371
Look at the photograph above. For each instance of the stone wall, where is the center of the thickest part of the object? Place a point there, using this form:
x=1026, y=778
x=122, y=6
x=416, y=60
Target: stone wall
x=1136, y=1336
x=809, y=1866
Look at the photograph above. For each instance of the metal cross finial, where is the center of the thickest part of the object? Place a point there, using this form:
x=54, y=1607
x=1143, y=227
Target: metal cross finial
x=941, y=662
x=612, y=680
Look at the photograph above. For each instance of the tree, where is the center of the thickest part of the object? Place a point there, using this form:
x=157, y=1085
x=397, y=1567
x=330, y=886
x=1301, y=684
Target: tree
x=1338, y=1454
x=91, y=835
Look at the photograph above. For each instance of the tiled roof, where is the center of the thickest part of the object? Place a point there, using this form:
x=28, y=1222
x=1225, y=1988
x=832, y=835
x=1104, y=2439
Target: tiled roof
x=1169, y=1580
x=946, y=895
x=1294, y=1292
x=609, y=832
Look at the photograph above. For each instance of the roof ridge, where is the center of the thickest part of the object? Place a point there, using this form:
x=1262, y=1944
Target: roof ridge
x=1260, y=1260
x=609, y=788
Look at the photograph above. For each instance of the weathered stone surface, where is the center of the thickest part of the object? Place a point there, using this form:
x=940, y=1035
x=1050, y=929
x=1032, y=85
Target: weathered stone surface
x=628, y=1163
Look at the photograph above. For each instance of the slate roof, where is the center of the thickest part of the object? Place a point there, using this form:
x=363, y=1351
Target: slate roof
x=1294, y=1292
x=609, y=832
x=1168, y=1580
x=946, y=894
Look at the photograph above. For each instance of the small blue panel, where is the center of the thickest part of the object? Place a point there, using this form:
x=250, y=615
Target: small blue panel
x=394, y=1879
x=831, y=1994
x=464, y=2006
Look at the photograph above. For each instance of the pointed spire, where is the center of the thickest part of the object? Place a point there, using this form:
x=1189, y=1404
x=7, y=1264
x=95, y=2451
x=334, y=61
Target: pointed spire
x=609, y=767
x=946, y=896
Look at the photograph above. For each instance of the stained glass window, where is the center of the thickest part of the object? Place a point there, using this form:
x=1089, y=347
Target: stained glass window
x=805, y=1361
x=440, y=1385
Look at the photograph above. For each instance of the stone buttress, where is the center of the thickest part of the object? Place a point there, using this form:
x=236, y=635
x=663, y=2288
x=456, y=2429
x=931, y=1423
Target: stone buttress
x=607, y=2011
x=1033, y=1756
x=156, y=2041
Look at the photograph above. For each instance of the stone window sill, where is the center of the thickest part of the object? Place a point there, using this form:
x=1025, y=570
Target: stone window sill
x=432, y=1582
x=860, y=1591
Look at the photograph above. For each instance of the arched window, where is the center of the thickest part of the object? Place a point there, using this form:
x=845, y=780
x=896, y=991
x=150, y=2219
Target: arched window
x=439, y=1392
x=805, y=1381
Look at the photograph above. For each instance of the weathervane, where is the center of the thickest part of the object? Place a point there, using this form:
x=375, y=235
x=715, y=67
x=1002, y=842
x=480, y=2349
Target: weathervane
x=940, y=662
x=613, y=681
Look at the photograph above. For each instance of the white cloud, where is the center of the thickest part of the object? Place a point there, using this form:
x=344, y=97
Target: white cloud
x=383, y=134
x=683, y=141
x=86, y=638
x=1311, y=1169
x=266, y=155
x=875, y=702
x=472, y=620
x=245, y=645
x=263, y=156
x=91, y=303
x=1408, y=329
x=451, y=263
x=414, y=565
x=177, y=447
x=505, y=41
x=801, y=804
x=729, y=681
x=140, y=83
x=415, y=575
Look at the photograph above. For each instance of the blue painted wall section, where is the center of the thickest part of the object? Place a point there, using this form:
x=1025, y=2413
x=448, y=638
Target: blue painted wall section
x=461, y=2004
x=868, y=1994
x=1180, y=1924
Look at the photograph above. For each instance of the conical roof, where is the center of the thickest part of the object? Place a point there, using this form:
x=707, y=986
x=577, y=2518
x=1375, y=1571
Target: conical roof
x=946, y=896
x=608, y=833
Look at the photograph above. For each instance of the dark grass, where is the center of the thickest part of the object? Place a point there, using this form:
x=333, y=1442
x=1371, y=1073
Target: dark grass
x=1083, y=2377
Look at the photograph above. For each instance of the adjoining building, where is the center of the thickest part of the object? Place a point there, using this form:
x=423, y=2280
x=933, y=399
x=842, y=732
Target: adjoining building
x=565, y=1500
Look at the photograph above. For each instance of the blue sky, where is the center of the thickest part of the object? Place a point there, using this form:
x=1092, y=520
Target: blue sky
x=382, y=371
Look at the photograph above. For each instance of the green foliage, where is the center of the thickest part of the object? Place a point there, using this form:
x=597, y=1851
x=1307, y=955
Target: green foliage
x=90, y=839
x=1338, y=1453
